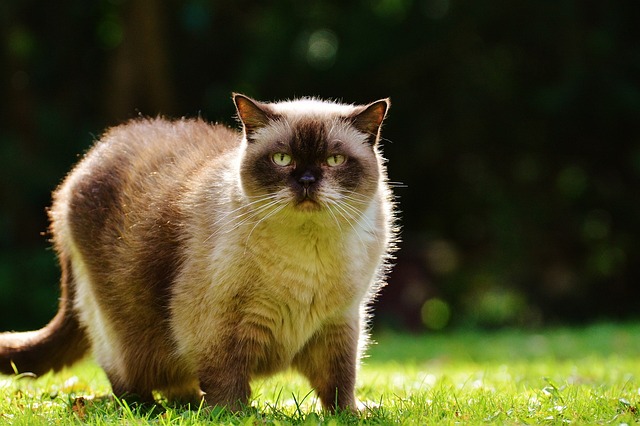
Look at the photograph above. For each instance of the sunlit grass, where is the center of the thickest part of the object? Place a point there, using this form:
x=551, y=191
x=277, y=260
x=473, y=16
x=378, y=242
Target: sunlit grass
x=559, y=376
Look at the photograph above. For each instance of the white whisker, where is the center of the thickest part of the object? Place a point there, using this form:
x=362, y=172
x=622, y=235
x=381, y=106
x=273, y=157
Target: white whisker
x=397, y=185
x=238, y=220
x=357, y=214
x=279, y=208
x=244, y=206
x=356, y=197
x=349, y=219
x=328, y=206
x=247, y=217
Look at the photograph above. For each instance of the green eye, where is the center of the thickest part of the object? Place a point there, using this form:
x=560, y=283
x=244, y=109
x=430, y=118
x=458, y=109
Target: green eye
x=281, y=159
x=335, y=160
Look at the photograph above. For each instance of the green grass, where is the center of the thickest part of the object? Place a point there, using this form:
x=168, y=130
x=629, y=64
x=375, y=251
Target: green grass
x=558, y=376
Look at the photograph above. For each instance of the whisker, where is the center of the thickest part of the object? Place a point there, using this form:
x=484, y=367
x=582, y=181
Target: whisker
x=354, y=196
x=275, y=211
x=328, y=206
x=358, y=216
x=349, y=218
x=244, y=206
x=250, y=215
x=240, y=219
x=397, y=185
x=360, y=202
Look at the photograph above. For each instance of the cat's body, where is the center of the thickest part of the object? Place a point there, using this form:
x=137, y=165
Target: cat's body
x=194, y=259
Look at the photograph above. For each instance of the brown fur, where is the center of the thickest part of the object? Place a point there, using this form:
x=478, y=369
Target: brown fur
x=192, y=262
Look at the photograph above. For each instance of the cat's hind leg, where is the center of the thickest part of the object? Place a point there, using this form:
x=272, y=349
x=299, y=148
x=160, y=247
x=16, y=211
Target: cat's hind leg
x=127, y=392
x=188, y=394
x=180, y=393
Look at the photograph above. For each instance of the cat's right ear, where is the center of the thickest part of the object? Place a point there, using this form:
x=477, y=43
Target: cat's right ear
x=368, y=119
x=253, y=114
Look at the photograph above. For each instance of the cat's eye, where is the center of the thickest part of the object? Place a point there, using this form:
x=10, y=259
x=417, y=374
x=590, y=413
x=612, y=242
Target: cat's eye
x=335, y=160
x=281, y=159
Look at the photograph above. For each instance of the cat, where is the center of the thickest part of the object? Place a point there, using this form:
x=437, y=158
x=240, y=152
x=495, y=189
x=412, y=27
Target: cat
x=196, y=257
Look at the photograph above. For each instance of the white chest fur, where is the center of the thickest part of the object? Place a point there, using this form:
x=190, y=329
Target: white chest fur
x=287, y=281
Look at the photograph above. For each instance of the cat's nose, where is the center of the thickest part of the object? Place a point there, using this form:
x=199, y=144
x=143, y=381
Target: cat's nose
x=306, y=179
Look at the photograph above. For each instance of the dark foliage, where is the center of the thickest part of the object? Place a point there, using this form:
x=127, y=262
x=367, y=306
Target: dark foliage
x=515, y=127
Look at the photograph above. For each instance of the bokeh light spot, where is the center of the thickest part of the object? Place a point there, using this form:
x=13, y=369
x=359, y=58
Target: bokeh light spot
x=435, y=313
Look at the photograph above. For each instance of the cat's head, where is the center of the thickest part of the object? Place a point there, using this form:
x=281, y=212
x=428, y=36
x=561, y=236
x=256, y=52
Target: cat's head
x=309, y=154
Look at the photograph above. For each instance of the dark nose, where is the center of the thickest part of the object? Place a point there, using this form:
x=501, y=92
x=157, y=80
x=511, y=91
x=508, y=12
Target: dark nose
x=306, y=179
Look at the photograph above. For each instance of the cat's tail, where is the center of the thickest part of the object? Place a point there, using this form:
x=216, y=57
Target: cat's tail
x=60, y=343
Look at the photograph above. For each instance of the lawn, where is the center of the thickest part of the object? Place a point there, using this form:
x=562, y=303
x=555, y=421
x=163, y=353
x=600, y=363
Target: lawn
x=589, y=375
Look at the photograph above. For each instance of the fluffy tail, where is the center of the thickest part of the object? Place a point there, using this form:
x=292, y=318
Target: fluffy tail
x=59, y=343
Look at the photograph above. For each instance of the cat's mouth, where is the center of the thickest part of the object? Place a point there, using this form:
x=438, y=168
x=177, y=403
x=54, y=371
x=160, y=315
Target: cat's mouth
x=307, y=202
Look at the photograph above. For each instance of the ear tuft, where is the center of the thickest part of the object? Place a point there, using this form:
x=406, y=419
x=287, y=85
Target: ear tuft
x=368, y=119
x=253, y=114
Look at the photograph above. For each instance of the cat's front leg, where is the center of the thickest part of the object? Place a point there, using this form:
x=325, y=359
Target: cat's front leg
x=329, y=360
x=224, y=377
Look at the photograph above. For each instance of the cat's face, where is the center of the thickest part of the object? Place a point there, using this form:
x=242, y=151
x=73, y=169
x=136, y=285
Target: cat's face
x=311, y=156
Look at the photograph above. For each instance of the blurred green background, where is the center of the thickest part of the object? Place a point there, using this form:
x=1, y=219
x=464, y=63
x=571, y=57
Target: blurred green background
x=515, y=127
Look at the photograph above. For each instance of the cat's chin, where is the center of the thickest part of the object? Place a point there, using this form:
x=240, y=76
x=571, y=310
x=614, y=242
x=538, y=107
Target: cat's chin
x=308, y=205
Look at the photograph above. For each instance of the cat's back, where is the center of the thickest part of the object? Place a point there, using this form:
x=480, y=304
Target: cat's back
x=152, y=144
x=133, y=168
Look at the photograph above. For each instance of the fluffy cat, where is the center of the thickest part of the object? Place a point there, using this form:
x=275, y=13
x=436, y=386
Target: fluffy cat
x=195, y=257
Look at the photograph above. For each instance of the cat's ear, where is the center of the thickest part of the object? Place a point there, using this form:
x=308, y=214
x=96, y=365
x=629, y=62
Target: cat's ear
x=253, y=114
x=368, y=119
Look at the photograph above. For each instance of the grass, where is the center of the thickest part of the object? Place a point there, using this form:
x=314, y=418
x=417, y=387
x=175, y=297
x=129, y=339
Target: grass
x=558, y=376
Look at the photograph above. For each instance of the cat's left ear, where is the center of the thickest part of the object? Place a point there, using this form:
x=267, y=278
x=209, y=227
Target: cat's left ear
x=368, y=119
x=253, y=114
